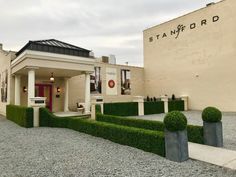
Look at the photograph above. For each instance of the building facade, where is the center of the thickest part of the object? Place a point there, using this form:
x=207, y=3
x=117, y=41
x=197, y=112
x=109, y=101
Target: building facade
x=194, y=55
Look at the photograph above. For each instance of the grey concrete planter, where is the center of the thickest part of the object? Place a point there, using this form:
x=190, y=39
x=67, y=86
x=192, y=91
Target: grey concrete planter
x=176, y=145
x=213, y=134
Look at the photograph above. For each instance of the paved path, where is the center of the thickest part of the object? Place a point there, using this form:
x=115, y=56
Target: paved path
x=213, y=155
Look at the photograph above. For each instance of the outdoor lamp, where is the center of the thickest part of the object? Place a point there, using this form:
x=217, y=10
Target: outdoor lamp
x=58, y=89
x=24, y=89
x=52, y=78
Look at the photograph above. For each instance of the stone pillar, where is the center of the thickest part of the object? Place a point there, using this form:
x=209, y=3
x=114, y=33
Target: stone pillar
x=17, y=89
x=37, y=103
x=165, y=100
x=185, y=99
x=87, y=93
x=31, y=84
x=66, y=95
x=140, y=101
x=96, y=100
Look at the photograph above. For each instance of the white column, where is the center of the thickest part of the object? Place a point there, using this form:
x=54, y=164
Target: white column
x=165, y=100
x=140, y=101
x=17, y=89
x=66, y=97
x=31, y=85
x=185, y=99
x=87, y=93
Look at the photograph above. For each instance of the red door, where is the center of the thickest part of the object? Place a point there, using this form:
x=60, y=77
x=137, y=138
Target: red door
x=44, y=90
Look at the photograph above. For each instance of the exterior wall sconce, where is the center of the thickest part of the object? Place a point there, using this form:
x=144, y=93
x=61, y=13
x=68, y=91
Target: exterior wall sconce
x=24, y=89
x=52, y=79
x=58, y=92
x=58, y=89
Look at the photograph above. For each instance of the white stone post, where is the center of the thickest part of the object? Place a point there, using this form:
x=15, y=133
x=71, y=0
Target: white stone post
x=31, y=85
x=17, y=89
x=185, y=99
x=36, y=103
x=96, y=100
x=87, y=93
x=165, y=100
x=140, y=101
x=66, y=97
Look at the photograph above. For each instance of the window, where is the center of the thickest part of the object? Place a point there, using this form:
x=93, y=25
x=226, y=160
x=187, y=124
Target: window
x=125, y=82
x=4, y=85
x=95, y=81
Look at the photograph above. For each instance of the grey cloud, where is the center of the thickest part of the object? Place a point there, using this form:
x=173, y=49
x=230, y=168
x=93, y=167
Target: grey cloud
x=106, y=26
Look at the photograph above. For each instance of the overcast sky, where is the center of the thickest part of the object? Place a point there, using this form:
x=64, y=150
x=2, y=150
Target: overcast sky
x=104, y=26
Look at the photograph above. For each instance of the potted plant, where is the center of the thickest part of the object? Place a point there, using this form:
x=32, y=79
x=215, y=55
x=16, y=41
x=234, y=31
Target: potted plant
x=212, y=127
x=176, y=139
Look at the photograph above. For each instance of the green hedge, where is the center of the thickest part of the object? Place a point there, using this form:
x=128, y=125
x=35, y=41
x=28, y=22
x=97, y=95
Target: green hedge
x=48, y=119
x=153, y=107
x=195, y=133
x=175, y=105
x=23, y=116
x=147, y=140
x=121, y=109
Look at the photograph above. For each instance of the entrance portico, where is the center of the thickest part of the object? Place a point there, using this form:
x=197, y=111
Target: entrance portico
x=36, y=67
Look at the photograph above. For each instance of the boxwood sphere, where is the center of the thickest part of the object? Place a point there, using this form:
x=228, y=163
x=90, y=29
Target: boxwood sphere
x=175, y=121
x=211, y=114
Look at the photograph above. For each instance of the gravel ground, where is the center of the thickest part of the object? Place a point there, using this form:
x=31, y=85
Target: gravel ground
x=62, y=152
x=194, y=118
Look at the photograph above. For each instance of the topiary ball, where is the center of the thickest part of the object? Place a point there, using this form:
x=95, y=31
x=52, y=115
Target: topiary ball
x=211, y=114
x=175, y=121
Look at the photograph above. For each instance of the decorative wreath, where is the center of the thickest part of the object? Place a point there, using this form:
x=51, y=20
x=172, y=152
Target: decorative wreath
x=111, y=83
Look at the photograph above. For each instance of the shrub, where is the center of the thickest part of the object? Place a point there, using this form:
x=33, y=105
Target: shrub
x=98, y=108
x=47, y=119
x=147, y=140
x=175, y=105
x=23, y=116
x=195, y=133
x=211, y=114
x=131, y=122
x=175, y=121
x=153, y=107
x=121, y=109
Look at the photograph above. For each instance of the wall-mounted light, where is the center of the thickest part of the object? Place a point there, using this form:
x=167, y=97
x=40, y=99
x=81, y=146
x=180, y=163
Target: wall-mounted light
x=24, y=89
x=52, y=78
x=58, y=89
x=58, y=92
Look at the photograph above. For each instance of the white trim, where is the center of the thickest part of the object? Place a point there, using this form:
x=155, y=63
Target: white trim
x=51, y=56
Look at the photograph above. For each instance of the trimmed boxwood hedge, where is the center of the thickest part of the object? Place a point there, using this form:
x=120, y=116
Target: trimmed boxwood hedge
x=195, y=133
x=153, y=107
x=175, y=105
x=48, y=119
x=121, y=109
x=23, y=116
x=211, y=114
x=147, y=140
x=175, y=121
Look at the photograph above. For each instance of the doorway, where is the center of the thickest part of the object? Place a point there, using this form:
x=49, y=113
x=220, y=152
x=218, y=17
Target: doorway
x=44, y=90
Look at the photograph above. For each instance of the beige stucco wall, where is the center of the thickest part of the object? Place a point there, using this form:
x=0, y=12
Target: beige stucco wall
x=77, y=89
x=200, y=63
x=5, y=58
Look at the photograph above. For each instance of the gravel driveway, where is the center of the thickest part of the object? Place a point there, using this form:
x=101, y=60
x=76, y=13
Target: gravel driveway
x=62, y=152
x=194, y=118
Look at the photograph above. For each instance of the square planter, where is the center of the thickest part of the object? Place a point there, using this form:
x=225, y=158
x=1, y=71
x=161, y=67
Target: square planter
x=176, y=145
x=213, y=134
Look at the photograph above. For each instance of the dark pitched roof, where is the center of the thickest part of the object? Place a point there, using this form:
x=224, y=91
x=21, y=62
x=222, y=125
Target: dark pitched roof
x=54, y=46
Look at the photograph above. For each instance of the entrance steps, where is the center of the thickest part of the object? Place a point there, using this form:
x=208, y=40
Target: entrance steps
x=213, y=155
